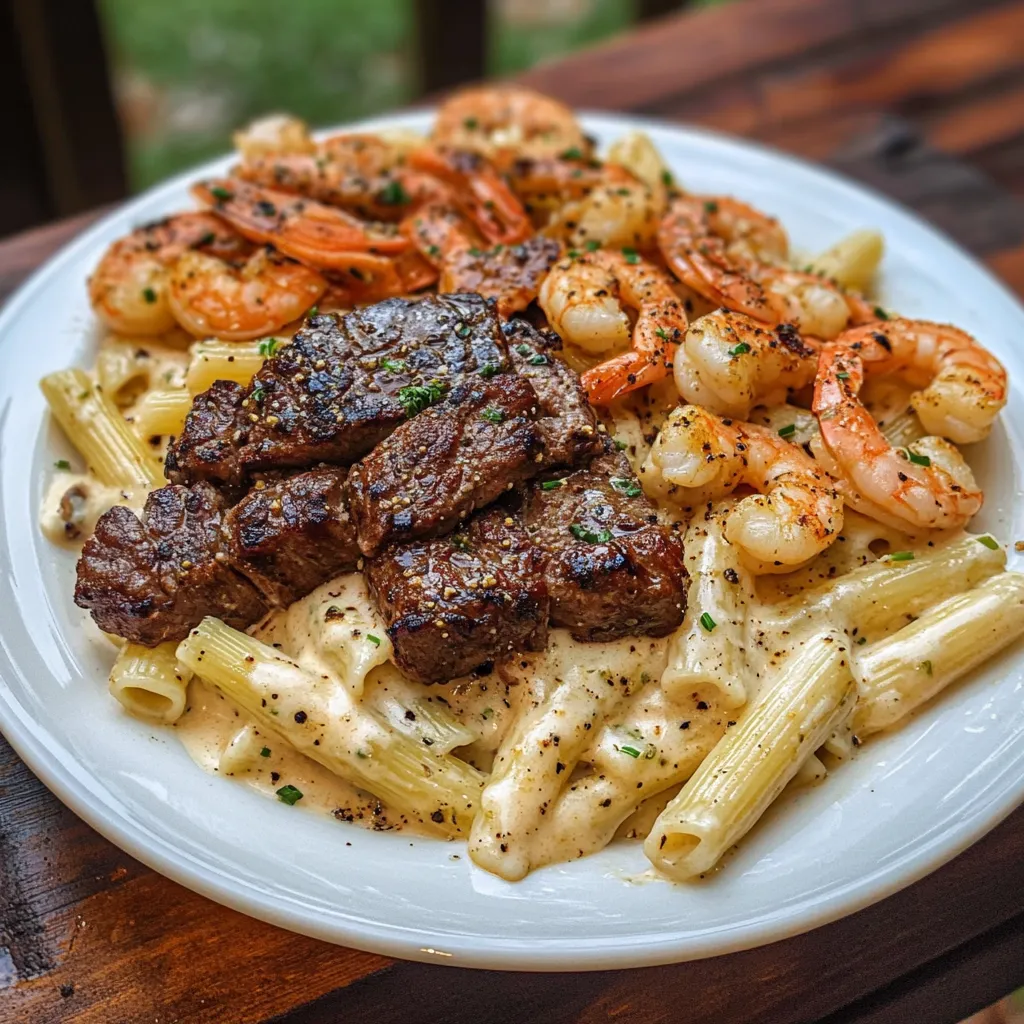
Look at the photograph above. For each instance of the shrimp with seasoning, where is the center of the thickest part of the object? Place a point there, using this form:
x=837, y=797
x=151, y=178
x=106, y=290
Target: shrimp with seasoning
x=735, y=256
x=492, y=118
x=963, y=384
x=926, y=486
x=128, y=289
x=510, y=274
x=583, y=299
x=797, y=512
x=728, y=363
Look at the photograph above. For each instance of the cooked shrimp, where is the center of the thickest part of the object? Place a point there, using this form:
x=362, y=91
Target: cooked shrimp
x=797, y=511
x=583, y=297
x=491, y=118
x=510, y=274
x=318, y=235
x=735, y=256
x=928, y=487
x=479, y=191
x=729, y=363
x=209, y=296
x=273, y=134
x=964, y=384
x=128, y=289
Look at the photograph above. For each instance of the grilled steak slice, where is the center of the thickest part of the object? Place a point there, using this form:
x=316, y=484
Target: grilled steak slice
x=567, y=421
x=459, y=455
x=291, y=535
x=612, y=569
x=208, y=446
x=456, y=603
x=153, y=579
x=344, y=383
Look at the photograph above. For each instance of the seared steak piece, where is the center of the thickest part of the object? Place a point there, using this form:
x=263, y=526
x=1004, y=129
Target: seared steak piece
x=208, y=446
x=153, y=579
x=567, y=421
x=345, y=382
x=291, y=535
x=456, y=603
x=459, y=455
x=612, y=569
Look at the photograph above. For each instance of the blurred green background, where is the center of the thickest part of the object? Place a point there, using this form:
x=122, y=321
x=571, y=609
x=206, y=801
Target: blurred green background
x=188, y=73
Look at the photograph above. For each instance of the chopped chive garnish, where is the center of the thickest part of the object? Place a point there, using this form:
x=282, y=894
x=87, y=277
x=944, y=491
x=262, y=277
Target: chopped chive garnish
x=523, y=350
x=553, y=485
x=580, y=532
x=375, y=640
x=990, y=542
x=487, y=713
x=630, y=488
x=901, y=556
x=631, y=751
x=620, y=446
x=493, y=415
x=268, y=347
x=593, y=245
x=843, y=375
x=662, y=333
x=538, y=360
x=711, y=206
x=64, y=464
x=394, y=365
x=149, y=295
x=393, y=194
x=632, y=256
x=258, y=394
x=880, y=313
x=788, y=430
x=470, y=124
x=265, y=752
x=926, y=667
x=861, y=640
x=221, y=193
x=572, y=153
x=707, y=622
x=433, y=250
x=416, y=398
x=740, y=349
x=918, y=460
x=488, y=370
x=312, y=311
x=289, y=795
x=666, y=179
x=463, y=330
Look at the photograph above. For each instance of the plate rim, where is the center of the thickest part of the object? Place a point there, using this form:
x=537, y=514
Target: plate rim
x=26, y=735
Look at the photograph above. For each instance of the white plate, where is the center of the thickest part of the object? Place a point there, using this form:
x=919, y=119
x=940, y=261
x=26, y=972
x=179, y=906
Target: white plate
x=907, y=804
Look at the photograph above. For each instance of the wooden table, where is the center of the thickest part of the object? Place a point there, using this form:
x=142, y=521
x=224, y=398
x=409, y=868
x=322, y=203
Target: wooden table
x=924, y=99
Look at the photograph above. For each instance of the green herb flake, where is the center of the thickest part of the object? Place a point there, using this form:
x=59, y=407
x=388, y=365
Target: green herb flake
x=392, y=194
x=631, y=751
x=394, y=365
x=289, y=795
x=861, y=641
x=630, y=488
x=362, y=755
x=842, y=375
x=574, y=254
x=488, y=370
x=265, y=752
x=901, y=556
x=523, y=350
x=538, y=360
x=492, y=415
x=149, y=295
x=918, y=460
x=990, y=542
x=926, y=667
x=620, y=446
x=415, y=398
x=666, y=179
x=553, y=485
x=631, y=255
x=741, y=349
x=580, y=532
x=593, y=245
x=268, y=346
x=711, y=206
x=707, y=622
x=788, y=430
x=221, y=193
x=258, y=394
x=880, y=313
x=433, y=251
x=471, y=124
x=572, y=153
x=661, y=333
x=313, y=311
x=375, y=640
x=62, y=464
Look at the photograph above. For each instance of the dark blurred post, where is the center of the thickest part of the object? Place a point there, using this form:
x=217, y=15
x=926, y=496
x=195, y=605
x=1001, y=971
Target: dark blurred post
x=656, y=8
x=451, y=37
x=64, y=151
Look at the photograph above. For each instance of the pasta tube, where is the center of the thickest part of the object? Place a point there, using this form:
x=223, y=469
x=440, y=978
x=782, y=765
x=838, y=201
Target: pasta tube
x=877, y=597
x=162, y=412
x=318, y=717
x=149, y=682
x=852, y=261
x=427, y=719
x=227, y=360
x=708, y=650
x=910, y=667
x=122, y=372
x=750, y=767
x=111, y=451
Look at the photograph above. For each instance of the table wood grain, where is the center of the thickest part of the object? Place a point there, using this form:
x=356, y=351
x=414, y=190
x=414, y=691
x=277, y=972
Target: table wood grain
x=921, y=99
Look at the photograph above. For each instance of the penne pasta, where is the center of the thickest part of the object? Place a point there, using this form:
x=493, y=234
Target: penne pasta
x=227, y=360
x=149, y=682
x=162, y=413
x=901, y=673
x=122, y=371
x=92, y=424
x=318, y=717
x=753, y=763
